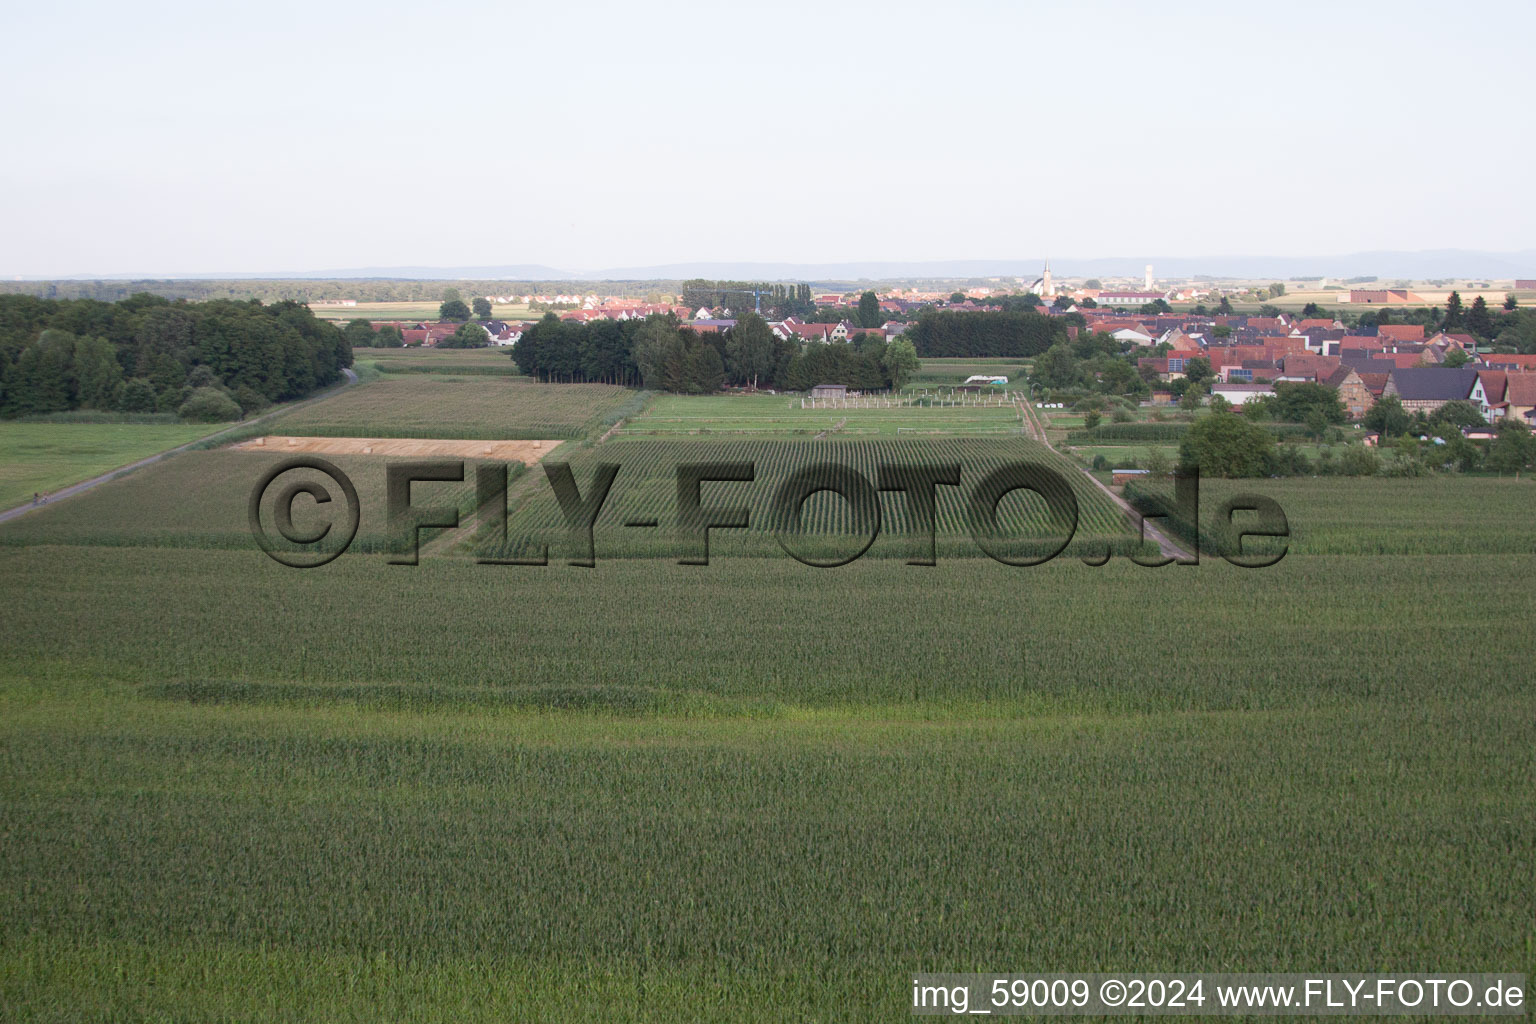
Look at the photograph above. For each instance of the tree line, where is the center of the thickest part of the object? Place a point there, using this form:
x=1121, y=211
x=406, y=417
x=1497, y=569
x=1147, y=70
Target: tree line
x=778, y=300
x=660, y=352
x=981, y=335
x=206, y=361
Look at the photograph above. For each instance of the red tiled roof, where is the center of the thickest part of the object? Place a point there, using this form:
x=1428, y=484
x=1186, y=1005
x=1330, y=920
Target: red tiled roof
x=1520, y=389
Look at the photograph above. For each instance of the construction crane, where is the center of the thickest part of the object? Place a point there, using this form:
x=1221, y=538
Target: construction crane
x=757, y=297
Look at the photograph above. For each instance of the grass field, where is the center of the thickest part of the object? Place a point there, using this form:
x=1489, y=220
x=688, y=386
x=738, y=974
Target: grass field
x=449, y=406
x=753, y=790
x=45, y=457
x=955, y=371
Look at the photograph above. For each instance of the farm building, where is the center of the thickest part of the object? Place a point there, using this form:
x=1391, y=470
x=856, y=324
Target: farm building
x=830, y=391
x=1242, y=394
x=1119, y=477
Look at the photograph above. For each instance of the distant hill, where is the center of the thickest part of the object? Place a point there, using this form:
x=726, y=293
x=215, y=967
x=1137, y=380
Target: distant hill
x=1430, y=263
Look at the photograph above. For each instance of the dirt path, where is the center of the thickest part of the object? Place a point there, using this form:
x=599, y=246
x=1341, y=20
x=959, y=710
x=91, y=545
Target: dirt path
x=96, y=481
x=1036, y=429
x=529, y=452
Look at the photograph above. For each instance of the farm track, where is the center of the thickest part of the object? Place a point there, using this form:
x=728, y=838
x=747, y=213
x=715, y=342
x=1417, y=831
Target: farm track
x=96, y=481
x=1168, y=548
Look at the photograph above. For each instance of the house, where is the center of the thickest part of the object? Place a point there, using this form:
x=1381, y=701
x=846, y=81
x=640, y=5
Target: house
x=817, y=332
x=1466, y=342
x=1504, y=362
x=1375, y=383
x=1428, y=388
x=1400, y=332
x=1107, y=298
x=1137, y=335
x=1479, y=433
x=829, y=391
x=711, y=326
x=1488, y=393
x=1309, y=368
x=1519, y=401
x=1357, y=398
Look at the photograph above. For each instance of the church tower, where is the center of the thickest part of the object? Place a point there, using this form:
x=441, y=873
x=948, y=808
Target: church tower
x=1047, y=290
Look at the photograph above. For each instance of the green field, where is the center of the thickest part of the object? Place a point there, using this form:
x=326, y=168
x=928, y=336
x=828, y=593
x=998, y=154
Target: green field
x=461, y=361
x=783, y=416
x=448, y=406
x=45, y=457
x=752, y=790
x=939, y=371
x=646, y=488
x=417, y=311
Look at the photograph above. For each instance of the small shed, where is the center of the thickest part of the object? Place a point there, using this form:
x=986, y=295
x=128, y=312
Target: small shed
x=1121, y=477
x=830, y=391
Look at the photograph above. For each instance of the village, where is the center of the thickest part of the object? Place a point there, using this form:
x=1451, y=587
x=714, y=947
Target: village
x=1360, y=357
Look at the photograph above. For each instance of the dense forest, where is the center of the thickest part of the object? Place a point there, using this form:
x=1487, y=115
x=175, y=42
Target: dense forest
x=206, y=361
x=938, y=334
x=661, y=353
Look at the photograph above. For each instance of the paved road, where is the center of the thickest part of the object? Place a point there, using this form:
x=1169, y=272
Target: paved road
x=1157, y=536
x=85, y=485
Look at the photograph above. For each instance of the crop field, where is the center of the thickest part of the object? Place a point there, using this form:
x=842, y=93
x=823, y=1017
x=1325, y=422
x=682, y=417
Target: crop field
x=655, y=792
x=781, y=416
x=199, y=500
x=420, y=310
x=453, y=361
x=752, y=790
x=646, y=489
x=1414, y=518
x=44, y=457
x=444, y=406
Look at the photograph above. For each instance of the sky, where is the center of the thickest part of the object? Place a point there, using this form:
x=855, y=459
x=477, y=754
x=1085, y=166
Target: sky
x=170, y=137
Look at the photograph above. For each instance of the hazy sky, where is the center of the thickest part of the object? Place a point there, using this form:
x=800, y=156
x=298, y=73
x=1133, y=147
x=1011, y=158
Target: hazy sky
x=209, y=137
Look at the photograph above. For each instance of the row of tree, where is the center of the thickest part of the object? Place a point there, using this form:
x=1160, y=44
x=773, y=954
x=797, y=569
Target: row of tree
x=661, y=353
x=148, y=354
x=980, y=335
x=779, y=301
